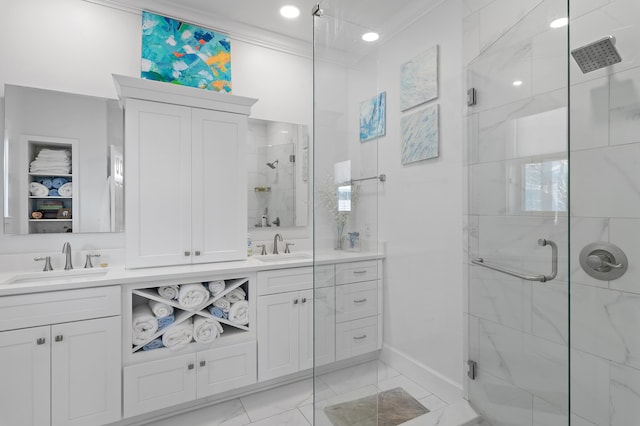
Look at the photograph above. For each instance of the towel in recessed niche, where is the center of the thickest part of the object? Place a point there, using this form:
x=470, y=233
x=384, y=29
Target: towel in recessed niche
x=206, y=330
x=38, y=190
x=239, y=313
x=58, y=182
x=144, y=324
x=66, y=190
x=178, y=336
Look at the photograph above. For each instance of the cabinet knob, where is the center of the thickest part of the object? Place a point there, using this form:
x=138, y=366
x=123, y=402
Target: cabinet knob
x=41, y=341
x=295, y=301
x=197, y=252
x=203, y=363
x=304, y=300
x=187, y=253
x=191, y=366
x=59, y=338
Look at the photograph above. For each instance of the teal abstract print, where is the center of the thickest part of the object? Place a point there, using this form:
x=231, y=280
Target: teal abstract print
x=180, y=53
x=373, y=117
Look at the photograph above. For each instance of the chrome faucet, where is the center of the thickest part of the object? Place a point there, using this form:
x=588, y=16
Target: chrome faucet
x=275, y=243
x=66, y=249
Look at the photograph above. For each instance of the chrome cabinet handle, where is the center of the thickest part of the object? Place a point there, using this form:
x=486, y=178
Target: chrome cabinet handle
x=187, y=253
x=359, y=272
x=295, y=301
x=304, y=300
x=190, y=366
x=197, y=252
x=360, y=300
x=203, y=363
x=41, y=341
x=364, y=336
x=59, y=338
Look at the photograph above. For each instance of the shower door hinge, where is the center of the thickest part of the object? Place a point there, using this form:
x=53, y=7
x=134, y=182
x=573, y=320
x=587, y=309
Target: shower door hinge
x=316, y=11
x=472, y=97
x=292, y=158
x=473, y=369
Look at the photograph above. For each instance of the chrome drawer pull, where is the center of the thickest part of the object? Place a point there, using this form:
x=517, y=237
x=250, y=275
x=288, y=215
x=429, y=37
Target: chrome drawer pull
x=187, y=253
x=359, y=272
x=190, y=366
x=360, y=300
x=203, y=363
x=295, y=301
x=304, y=300
x=364, y=336
x=41, y=341
x=59, y=338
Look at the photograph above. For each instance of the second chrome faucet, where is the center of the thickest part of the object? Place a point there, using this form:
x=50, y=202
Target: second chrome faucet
x=276, y=238
x=66, y=249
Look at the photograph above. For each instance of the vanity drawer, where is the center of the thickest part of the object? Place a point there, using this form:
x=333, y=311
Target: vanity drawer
x=354, y=301
x=283, y=280
x=52, y=307
x=325, y=276
x=356, y=272
x=356, y=337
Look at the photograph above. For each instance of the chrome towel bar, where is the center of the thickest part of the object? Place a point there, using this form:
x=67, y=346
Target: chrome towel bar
x=542, y=278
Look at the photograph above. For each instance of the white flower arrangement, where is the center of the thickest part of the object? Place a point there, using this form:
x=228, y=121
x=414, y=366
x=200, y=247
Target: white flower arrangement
x=328, y=196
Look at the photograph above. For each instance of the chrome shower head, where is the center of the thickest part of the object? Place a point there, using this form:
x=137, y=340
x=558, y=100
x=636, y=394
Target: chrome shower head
x=272, y=165
x=596, y=55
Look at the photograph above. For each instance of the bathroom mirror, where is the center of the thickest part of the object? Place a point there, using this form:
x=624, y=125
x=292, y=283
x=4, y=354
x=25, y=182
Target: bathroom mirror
x=278, y=175
x=63, y=162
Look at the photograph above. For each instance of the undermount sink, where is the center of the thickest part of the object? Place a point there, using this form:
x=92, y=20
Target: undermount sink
x=68, y=275
x=282, y=257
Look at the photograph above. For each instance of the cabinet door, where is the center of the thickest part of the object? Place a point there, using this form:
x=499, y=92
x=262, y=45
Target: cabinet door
x=324, y=337
x=219, y=186
x=86, y=371
x=158, y=195
x=278, y=340
x=25, y=373
x=226, y=368
x=159, y=384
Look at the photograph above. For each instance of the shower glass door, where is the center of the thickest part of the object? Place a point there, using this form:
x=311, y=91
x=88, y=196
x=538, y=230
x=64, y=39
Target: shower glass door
x=517, y=213
x=345, y=223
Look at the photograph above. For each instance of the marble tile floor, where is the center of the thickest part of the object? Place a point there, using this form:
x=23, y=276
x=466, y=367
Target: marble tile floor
x=292, y=404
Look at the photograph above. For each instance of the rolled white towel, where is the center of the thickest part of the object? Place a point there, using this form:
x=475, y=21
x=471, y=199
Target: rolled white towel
x=178, y=336
x=37, y=189
x=159, y=309
x=206, y=330
x=144, y=324
x=66, y=190
x=236, y=295
x=169, y=291
x=192, y=295
x=223, y=304
x=216, y=287
x=239, y=313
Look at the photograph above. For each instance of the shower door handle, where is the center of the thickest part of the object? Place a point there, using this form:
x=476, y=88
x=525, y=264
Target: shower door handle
x=542, y=278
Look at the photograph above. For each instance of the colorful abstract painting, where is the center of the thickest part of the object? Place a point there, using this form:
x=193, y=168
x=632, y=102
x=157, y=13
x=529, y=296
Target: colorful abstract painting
x=373, y=117
x=419, y=79
x=180, y=53
x=420, y=135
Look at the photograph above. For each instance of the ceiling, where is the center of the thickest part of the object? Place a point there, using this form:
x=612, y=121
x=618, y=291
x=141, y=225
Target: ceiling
x=238, y=17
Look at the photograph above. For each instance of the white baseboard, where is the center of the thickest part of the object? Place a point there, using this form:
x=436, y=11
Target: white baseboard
x=442, y=386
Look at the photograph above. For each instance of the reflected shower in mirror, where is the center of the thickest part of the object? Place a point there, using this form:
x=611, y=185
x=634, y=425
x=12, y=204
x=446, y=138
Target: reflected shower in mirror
x=63, y=162
x=278, y=174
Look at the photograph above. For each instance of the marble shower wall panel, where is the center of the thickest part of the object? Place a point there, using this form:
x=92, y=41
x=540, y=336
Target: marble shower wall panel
x=625, y=233
x=590, y=387
x=625, y=388
x=590, y=114
x=625, y=106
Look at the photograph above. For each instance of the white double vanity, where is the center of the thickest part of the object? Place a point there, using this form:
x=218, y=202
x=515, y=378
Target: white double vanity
x=66, y=340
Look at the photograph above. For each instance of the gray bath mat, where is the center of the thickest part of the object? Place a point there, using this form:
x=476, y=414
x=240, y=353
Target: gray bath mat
x=388, y=408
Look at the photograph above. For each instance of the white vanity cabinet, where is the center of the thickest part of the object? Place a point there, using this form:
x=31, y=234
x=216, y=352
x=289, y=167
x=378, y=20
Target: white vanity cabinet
x=186, y=174
x=64, y=369
x=285, y=320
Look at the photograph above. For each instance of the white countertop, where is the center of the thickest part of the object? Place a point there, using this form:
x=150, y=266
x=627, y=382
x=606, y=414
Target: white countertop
x=118, y=275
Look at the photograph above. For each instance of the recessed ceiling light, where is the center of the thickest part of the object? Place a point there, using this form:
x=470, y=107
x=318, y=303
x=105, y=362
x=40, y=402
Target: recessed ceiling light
x=517, y=83
x=370, y=36
x=559, y=23
x=289, y=12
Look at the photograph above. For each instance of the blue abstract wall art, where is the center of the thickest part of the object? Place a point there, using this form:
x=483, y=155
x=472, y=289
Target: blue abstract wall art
x=420, y=135
x=180, y=53
x=373, y=117
x=419, y=79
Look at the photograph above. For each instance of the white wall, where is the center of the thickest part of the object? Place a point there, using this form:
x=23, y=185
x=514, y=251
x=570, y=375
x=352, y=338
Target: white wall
x=421, y=208
x=75, y=46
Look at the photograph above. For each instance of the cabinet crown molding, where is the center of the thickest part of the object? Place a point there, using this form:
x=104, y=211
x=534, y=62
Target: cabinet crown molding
x=150, y=90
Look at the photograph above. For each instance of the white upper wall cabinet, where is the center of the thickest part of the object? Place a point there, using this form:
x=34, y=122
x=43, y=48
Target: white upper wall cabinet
x=186, y=197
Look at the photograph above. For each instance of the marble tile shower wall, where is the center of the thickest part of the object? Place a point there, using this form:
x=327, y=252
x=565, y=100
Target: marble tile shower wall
x=518, y=330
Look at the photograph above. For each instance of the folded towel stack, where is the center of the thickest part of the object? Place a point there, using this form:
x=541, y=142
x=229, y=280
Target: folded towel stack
x=159, y=309
x=144, y=324
x=191, y=296
x=216, y=287
x=169, y=291
x=206, y=330
x=239, y=313
x=178, y=336
x=56, y=161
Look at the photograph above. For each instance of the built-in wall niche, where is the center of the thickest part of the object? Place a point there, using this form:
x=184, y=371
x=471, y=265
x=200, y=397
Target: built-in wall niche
x=45, y=126
x=278, y=160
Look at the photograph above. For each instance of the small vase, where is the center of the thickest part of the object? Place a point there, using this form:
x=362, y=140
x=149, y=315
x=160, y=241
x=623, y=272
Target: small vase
x=339, y=238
